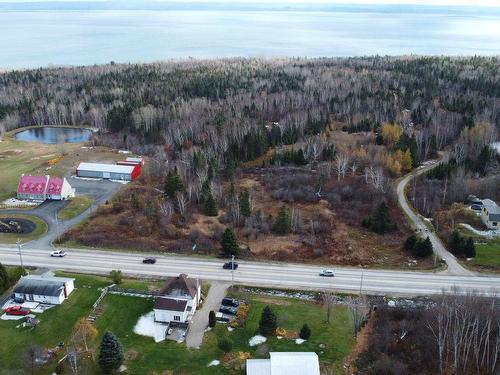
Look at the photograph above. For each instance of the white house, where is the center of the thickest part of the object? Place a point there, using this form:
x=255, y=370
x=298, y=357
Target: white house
x=285, y=363
x=490, y=214
x=178, y=300
x=44, y=289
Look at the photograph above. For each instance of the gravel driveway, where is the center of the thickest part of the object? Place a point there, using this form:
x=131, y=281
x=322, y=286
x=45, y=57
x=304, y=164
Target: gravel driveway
x=200, y=319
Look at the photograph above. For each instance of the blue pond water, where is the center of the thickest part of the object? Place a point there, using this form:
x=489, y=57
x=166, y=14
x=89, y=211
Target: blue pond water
x=53, y=135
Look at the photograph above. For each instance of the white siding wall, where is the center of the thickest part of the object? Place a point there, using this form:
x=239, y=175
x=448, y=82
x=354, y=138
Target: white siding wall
x=70, y=286
x=167, y=316
x=42, y=299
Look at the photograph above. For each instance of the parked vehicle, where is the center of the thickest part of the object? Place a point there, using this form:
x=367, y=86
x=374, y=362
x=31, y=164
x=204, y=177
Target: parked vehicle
x=58, y=253
x=476, y=207
x=220, y=317
x=149, y=260
x=228, y=310
x=230, y=265
x=230, y=302
x=327, y=273
x=17, y=310
x=18, y=299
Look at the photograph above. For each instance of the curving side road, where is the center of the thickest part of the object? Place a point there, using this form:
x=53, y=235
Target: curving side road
x=454, y=267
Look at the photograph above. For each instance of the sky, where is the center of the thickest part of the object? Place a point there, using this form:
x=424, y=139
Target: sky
x=491, y=3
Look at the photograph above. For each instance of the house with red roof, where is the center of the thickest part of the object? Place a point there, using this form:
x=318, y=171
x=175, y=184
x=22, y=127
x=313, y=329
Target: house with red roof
x=40, y=188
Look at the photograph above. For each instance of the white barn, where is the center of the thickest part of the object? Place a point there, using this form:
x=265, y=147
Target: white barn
x=178, y=300
x=44, y=289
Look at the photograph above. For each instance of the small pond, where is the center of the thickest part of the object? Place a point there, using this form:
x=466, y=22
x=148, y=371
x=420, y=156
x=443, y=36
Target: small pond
x=53, y=135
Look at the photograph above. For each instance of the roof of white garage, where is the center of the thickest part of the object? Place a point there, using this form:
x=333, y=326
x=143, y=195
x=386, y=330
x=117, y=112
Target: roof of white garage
x=111, y=168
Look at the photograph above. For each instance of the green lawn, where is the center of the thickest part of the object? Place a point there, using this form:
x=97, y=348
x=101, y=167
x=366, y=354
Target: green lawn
x=144, y=356
x=40, y=229
x=75, y=207
x=121, y=314
x=488, y=255
x=55, y=324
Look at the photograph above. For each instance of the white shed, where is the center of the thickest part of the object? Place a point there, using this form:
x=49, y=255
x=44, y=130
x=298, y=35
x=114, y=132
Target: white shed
x=43, y=289
x=285, y=363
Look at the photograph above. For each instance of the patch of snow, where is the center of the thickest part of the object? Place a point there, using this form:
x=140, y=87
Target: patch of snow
x=482, y=233
x=86, y=178
x=13, y=202
x=257, y=340
x=124, y=152
x=496, y=146
x=230, y=329
x=391, y=303
x=279, y=337
x=11, y=317
x=208, y=329
x=215, y=362
x=300, y=341
x=120, y=181
x=146, y=326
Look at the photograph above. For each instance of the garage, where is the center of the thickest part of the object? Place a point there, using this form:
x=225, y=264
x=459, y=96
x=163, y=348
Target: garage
x=108, y=171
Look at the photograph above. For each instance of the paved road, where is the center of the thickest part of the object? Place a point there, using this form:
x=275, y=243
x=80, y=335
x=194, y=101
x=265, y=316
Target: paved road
x=200, y=320
x=284, y=275
x=454, y=267
x=101, y=190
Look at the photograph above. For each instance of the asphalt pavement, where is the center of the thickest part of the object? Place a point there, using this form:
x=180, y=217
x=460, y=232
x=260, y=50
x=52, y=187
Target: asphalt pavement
x=280, y=275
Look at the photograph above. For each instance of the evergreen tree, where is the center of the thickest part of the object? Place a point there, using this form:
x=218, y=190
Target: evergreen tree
x=206, y=190
x=469, y=249
x=423, y=248
x=410, y=243
x=245, y=203
x=225, y=344
x=282, y=224
x=210, y=206
x=380, y=222
x=229, y=244
x=268, y=322
x=173, y=184
x=456, y=243
x=305, y=332
x=4, y=278
x=110, y=353
x=211, y=319
x=299, y=157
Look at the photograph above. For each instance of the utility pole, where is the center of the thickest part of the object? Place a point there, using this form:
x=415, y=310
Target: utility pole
x=361, y=283
x=20, y=254
x=232, y=269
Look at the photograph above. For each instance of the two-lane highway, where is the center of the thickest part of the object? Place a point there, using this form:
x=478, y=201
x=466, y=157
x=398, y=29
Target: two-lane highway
x=284, y=275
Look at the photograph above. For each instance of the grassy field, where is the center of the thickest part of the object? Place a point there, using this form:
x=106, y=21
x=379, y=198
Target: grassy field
x=144, y=356
x=75, y=207
x=18, y=157
x=41, y=228
x=488, y=255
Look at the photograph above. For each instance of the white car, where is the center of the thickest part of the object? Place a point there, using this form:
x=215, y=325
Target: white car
x=57, y=253
x=327, y=273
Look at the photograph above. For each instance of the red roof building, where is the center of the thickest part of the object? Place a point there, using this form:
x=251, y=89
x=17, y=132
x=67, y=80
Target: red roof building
x=44, y=187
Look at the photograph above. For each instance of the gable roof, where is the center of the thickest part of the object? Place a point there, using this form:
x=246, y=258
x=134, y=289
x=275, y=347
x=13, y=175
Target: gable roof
x=32, y=184
x=54, y=186
x=171, y=304
x=179, y=286
x=39, y=286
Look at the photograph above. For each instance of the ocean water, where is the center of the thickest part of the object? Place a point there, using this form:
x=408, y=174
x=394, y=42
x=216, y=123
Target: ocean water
x=82, y=37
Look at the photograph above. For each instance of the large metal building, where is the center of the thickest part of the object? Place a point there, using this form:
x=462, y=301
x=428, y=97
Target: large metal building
x=108, y=171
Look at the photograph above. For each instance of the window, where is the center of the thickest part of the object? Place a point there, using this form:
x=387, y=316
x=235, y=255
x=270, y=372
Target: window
x=494, y=223
x=177, y=318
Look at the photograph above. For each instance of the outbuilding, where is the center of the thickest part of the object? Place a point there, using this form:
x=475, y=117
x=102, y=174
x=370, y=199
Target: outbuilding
x=44, y=289
x=108, y=171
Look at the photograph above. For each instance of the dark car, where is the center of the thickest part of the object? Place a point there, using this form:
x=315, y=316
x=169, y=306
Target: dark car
x=476, y=207
x=228, y=310
x=230, y=302
x=149, y=260
x=229, y=265
x=220, y=317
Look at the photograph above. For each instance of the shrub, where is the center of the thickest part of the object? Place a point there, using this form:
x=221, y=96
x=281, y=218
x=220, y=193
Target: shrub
x=229, y=244
x=282, y=224
x=410, y=243
x=15, y=274
x=225, y=344
x=380, y=221
x=211, y=319
x=305, y=332
x=211, y=206
x=423, y=248
x=116, y=276
x=268, y=322
x=461, y=246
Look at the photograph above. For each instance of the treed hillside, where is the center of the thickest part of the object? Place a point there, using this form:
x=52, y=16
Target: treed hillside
x=222, y=105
